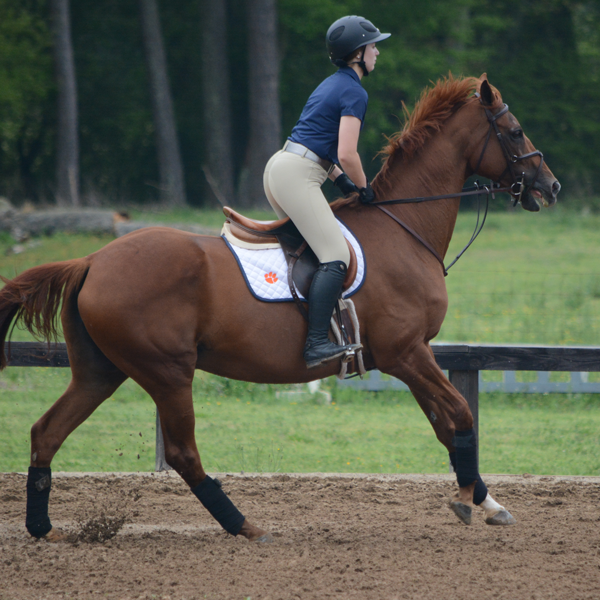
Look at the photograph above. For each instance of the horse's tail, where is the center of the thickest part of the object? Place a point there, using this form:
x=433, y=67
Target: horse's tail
x=34, y=298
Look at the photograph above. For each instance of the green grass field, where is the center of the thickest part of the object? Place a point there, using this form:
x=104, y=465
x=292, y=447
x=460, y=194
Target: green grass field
x=245, y=427
x=529, y=278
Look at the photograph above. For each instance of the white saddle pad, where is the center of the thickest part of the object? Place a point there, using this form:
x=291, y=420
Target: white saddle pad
x=265, y=270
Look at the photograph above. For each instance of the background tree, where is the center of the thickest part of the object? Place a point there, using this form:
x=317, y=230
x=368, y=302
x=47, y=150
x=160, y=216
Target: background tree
x=263, y=100
x=172, y=185
x=548, y=85
x=544, y=56
x=218, y=162
x=67, y=140
x=27, y=110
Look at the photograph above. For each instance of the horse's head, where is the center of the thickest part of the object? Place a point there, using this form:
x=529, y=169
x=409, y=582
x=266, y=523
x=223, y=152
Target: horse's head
x=511, y=159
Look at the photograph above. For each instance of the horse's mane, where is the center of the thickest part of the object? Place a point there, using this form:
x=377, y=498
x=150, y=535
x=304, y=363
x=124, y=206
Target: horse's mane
x=436, y=104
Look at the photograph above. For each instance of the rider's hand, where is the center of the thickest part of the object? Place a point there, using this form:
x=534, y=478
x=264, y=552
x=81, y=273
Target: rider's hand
x=366, y=194
x=345, y=184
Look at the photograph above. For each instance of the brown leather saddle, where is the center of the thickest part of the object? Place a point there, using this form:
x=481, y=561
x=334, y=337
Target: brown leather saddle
x=301, y=260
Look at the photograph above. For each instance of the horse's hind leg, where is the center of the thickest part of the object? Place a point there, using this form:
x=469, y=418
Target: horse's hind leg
x=94, y=379
x=78, y=402
x=177, y=421
x=452, y=421
x=170, y=385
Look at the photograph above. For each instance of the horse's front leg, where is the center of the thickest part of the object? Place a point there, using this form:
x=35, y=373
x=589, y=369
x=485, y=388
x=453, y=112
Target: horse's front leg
x=452, y=421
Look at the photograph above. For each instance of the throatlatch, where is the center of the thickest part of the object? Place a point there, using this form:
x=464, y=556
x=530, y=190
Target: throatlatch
x=39, y=482
x=464, y=462
x=214, y=499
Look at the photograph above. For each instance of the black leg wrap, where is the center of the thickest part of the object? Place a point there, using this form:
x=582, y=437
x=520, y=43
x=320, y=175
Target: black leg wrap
x=215, y=501
x=39, y=481
x=464, y=461
x=480, y=492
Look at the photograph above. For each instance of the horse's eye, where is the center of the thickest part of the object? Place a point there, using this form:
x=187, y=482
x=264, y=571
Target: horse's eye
x=517, y=134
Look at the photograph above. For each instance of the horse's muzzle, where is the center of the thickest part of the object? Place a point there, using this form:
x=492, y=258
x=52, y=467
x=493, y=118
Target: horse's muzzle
x=544, y=193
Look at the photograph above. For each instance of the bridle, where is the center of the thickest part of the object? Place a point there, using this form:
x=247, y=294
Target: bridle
x=515, y=189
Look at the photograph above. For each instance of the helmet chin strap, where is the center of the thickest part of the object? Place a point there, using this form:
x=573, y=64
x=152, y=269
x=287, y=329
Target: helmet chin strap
x=361, y=63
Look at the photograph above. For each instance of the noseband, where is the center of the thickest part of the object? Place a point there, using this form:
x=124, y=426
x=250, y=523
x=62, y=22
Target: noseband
x=516, y=188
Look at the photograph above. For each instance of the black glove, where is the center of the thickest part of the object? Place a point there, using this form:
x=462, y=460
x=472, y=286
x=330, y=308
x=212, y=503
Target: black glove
x=345, y=184
x=366, y=194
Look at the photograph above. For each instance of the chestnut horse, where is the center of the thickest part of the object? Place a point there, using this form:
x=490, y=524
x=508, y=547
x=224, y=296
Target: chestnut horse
x=158, y=303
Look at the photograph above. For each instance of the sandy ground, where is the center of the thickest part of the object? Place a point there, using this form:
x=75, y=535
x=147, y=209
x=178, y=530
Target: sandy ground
x=351, y=536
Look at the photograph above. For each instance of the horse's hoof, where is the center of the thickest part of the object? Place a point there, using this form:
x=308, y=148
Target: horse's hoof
x=55, y=535
x=267, y=538
x=502, y=517
x=462, y=511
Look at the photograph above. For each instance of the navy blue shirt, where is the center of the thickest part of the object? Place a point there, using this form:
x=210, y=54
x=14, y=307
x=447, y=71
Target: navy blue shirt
x=338, y=96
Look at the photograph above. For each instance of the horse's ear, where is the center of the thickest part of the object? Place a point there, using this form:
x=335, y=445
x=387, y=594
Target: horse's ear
x=487, y=95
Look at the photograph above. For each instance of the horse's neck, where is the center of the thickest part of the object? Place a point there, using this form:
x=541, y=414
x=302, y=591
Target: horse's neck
x=438, y=168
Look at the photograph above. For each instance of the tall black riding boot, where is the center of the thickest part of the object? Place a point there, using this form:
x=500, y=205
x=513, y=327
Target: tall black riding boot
x=322, y=298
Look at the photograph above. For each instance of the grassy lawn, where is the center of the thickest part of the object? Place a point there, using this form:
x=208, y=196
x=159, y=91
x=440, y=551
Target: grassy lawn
x=246, y=427
x=529, y=278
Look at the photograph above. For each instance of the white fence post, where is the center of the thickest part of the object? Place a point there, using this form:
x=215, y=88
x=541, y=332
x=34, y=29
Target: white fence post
x=160, y=463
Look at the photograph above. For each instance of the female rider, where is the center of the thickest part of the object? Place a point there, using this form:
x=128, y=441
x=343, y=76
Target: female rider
x=324, y=143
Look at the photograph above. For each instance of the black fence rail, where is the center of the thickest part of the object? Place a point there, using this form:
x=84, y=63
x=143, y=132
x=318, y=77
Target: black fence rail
x=462, y=361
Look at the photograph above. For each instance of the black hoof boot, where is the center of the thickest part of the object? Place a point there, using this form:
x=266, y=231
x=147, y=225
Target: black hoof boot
x=322, y=298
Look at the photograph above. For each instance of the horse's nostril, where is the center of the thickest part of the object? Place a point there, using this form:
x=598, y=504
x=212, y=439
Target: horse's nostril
x=555, y=188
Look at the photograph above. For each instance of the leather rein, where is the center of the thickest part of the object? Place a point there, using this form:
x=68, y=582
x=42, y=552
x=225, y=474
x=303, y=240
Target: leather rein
x=515, y=189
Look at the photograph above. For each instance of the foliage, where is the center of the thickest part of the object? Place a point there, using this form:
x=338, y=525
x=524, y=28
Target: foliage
x=118, y=155
x=26, y=93
x=544, y=56
x=546, y=78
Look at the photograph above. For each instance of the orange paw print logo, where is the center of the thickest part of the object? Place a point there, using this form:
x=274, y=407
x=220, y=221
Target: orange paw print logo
x=270, y=277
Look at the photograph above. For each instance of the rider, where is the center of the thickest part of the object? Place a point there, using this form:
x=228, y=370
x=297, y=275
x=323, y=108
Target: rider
x=324, y=139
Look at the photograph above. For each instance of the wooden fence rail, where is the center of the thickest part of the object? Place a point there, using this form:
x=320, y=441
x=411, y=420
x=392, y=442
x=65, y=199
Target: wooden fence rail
x=462, y=361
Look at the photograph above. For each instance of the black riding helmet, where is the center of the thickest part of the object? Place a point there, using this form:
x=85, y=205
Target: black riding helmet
x=347, y=35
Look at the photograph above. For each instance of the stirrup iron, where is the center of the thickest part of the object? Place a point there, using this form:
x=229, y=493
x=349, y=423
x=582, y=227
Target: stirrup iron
x=350, y=354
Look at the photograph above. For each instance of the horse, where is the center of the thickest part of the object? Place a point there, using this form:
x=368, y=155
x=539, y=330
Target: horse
x=157, y=304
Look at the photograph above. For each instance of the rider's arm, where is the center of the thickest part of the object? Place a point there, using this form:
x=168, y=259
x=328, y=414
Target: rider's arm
x=348, y=150
x=335, y=173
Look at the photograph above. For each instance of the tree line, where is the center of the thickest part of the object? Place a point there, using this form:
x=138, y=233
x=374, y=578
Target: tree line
x=183, y=102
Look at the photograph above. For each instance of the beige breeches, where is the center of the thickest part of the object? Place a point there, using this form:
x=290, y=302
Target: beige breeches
x=293, y=187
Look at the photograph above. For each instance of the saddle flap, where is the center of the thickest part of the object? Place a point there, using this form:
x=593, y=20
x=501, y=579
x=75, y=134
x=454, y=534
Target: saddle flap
x=306, y=265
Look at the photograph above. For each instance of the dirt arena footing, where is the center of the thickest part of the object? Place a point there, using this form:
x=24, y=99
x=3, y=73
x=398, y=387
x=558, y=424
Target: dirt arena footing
x=336, y=536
